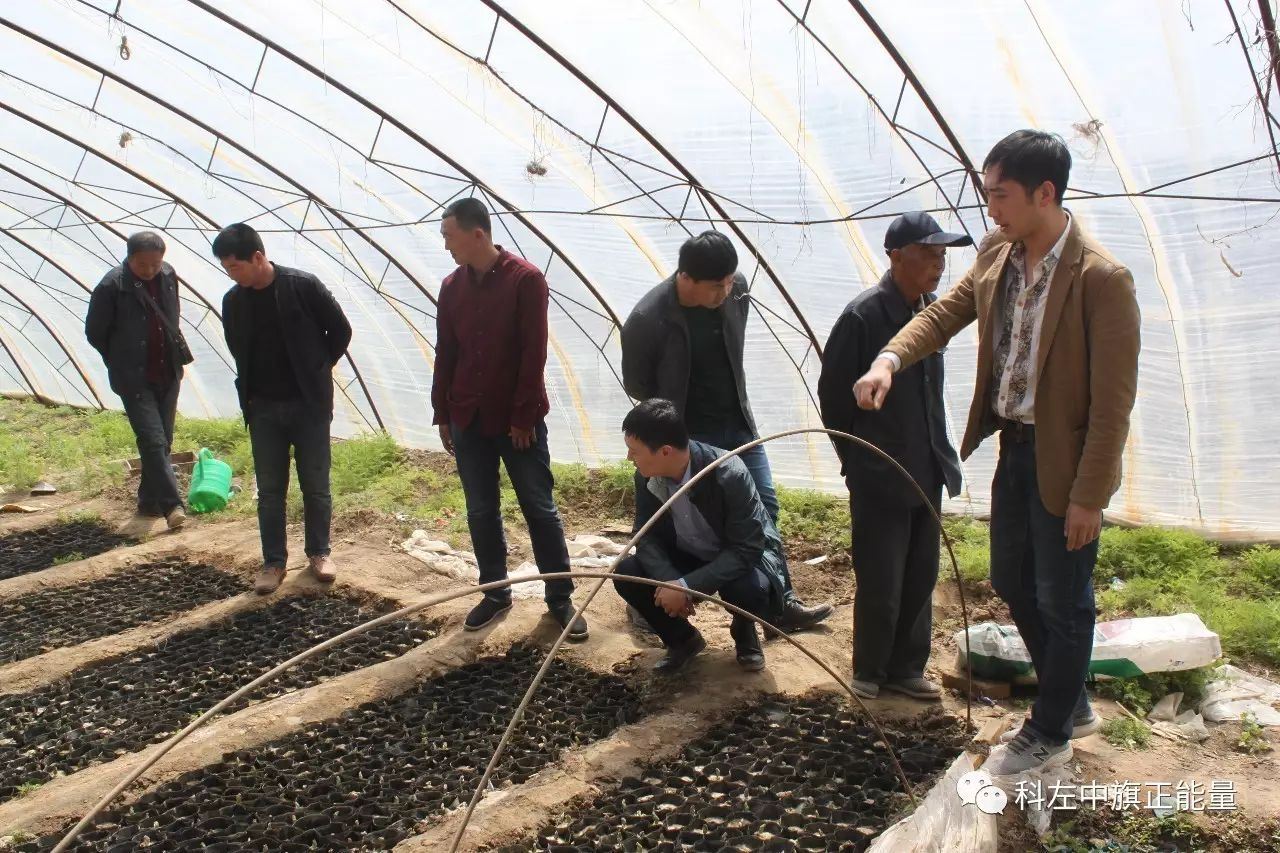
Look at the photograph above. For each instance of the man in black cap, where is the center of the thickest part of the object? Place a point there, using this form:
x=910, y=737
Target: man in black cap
x=895, y=537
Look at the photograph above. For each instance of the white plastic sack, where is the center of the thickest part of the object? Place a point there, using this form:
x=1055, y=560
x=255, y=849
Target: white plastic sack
x=1188, y=725
x=1166, y=709
x=1234, y=692
x=1123, y=648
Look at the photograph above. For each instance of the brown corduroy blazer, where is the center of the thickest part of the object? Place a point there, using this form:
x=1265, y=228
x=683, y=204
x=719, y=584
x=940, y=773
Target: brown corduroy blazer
x=1087, y=363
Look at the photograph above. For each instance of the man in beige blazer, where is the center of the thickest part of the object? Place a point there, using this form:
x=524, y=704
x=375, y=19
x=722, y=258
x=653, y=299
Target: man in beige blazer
x=1058, y=329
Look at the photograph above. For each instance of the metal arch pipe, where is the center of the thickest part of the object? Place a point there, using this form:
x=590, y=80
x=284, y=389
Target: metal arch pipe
x=46, y=258
x=187, y=206
x=692, y=481
x=961, y=157
x=138, y=90
x=10, y=233
x=118, y=233
x=413, y=280
x=921, y=92
x=137, y=175
x=74, y=206
x=1253, y=74
x=416, y=137
x=601, y=577
x=191, y=208
x=111, y=228
x=35, y=392
x=648, y=137
x=1268, y=19
x=118, y=164
x=75, y=362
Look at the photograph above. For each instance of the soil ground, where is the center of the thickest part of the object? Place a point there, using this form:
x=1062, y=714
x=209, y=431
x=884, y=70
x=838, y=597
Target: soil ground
x=369, y=561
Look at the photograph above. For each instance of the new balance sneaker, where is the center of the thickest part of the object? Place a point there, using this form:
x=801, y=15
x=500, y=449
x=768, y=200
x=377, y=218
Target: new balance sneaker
x=1027, y=751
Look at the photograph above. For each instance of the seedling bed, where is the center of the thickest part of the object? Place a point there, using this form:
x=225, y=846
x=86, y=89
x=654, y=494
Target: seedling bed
x=67, y=615
x=33, y=550
x=123, y=705
x=785, y=775
x=366, y=780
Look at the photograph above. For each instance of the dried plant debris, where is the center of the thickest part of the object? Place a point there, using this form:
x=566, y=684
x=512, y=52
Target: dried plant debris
x=33, y=550
x=67, y=615
x=124, y=705
x=805, y=774
x=366, y=780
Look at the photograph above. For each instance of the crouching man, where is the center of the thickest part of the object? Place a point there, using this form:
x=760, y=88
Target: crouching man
x=717, y=538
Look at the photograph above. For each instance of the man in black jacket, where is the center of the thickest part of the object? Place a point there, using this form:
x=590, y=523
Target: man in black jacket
x=895, y=537
x=286, y=332
x=717, y=538
x=683, y=342
x=133, y=322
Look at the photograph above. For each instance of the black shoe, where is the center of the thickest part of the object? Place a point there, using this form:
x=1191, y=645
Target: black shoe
x=485, y=612
x=746, y=643
x=797, y=616
x=677, y=656
x=562, y=612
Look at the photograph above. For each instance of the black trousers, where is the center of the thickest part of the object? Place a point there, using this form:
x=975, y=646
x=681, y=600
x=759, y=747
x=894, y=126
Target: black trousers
x=895, y=560
x=750, y=591
x=275, y=427
x=151, y=414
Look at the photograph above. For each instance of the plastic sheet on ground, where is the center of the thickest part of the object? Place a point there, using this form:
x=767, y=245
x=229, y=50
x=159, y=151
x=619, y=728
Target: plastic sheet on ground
x=1234, y=692
x=596, y=552
x=942, y=822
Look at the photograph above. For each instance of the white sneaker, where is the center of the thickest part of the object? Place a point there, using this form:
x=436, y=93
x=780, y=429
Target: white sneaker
x=1026, y=752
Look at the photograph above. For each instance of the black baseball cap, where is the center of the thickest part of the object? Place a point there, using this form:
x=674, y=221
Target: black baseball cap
x=920, y=227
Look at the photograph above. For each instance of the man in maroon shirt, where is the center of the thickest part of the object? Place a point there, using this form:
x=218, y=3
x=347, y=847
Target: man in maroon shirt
x=132, y=322
x=490, y=401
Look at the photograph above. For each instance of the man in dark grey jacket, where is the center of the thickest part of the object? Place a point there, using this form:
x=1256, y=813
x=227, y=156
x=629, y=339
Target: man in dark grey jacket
x=133, y=323
x=717, y=538
x=683, y=342
x=895, y=537
x=286, y=332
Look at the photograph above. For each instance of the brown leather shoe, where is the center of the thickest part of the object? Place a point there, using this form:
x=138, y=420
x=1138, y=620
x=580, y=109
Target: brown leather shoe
x=268, y=580
x=138, y=527
x=176, y=518
x=323, y=569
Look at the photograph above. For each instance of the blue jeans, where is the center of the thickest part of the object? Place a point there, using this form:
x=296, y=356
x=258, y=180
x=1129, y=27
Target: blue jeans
x=274, y=428
x=530, y=472
x=151, y=414
x=758, y=465
x=755, y=460
x=1049, y=589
